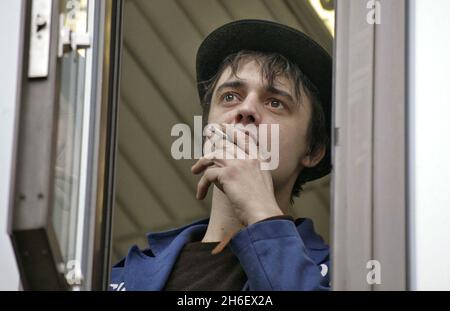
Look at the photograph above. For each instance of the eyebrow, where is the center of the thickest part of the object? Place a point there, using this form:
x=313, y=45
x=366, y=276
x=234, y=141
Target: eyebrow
x=274, y=90
x=237, y=84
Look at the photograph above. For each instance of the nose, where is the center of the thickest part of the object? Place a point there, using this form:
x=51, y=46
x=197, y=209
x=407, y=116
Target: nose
x=247, y=112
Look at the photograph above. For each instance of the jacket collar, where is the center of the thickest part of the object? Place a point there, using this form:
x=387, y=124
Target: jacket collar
x=312, y=240
x=159, y=241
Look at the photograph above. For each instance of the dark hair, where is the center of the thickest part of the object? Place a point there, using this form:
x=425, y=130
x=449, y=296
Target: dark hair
x=272, y=66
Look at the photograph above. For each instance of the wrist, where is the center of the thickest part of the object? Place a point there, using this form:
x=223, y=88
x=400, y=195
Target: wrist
x=264, y=214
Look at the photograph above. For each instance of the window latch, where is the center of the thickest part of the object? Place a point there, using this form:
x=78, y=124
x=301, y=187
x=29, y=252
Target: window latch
x=70, y=40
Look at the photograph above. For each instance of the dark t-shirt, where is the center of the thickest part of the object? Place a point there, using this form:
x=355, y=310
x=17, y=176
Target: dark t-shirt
x=197, y=269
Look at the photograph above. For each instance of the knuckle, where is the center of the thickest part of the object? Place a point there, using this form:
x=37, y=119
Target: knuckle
x=231, y=172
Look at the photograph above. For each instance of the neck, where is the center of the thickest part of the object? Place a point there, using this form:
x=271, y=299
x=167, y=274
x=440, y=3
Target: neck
x=223, y=220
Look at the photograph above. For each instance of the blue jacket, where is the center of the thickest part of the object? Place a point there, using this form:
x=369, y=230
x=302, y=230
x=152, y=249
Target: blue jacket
x=275, y=255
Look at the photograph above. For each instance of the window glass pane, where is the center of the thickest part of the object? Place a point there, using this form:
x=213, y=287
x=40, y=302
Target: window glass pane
x=70, y=130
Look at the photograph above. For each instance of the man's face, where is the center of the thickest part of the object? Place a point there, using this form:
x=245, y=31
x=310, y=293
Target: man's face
x=248, y=99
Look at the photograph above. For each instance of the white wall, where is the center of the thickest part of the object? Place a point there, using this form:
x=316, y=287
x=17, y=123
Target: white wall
x=10, y=12
x=429, y=122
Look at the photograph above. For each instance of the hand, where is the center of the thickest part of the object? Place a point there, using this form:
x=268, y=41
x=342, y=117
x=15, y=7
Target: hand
x=239, y=176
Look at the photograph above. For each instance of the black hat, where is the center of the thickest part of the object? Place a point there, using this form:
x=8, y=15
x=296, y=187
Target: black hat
x=266, y=36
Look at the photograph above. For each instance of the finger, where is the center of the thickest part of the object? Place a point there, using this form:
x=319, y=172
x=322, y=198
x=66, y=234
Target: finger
x=220, y=143
x=224, y=149
x=233, y=151
x=213, y=158
x=214, y=139
x=210, y=176
x=249, y=130
x=254, y=149
x=243, y=137
x=201, y=165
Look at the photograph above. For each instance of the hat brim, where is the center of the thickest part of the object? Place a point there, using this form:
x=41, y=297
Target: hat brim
x=267, y=36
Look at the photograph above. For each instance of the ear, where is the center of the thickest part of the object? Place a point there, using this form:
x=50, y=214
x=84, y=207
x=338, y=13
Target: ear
x=312, y=159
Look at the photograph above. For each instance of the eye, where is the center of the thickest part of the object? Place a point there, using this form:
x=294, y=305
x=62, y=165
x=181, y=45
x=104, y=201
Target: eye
x=229, y=97
x=276, y=104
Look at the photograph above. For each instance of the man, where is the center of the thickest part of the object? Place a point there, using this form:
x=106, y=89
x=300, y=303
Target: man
x=249, y=72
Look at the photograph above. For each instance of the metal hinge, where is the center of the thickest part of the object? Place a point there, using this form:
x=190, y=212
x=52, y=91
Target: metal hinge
x=70, y=40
